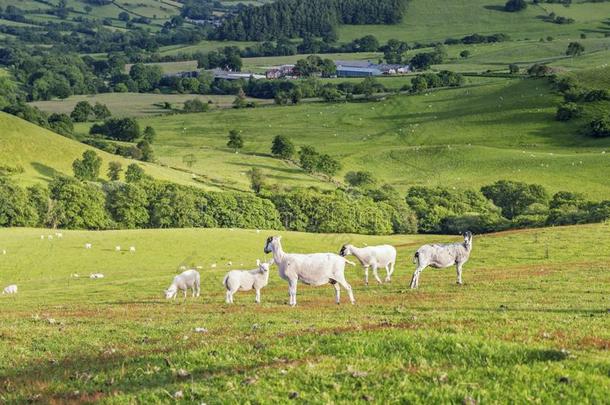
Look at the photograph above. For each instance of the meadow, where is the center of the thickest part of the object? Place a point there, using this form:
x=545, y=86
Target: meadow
x=529, y=324
x=490, y=129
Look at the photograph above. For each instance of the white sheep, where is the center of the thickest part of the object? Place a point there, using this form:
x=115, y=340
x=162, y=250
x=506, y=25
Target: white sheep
x=132, y=249
x=442, y=255
x=314, y=269
x=50, y=237
x=3, y=251
x=117, y=248
x=88, y=245
x=59, y=235
x=184, y=281
x=213, y=265
x=96, y=275
x=11, y=289
x=374, y=257
x=246, y=280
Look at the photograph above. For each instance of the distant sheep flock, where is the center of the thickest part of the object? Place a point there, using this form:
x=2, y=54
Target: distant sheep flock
x=313, y=269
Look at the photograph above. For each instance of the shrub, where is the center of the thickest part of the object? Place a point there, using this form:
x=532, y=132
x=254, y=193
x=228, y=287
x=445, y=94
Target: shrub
x=121, y=129
x=599, y=127
x=514, y=197
x=568, y=111
x=15, y=209
x=515, y=5
x=282, y=147
x=87, y=168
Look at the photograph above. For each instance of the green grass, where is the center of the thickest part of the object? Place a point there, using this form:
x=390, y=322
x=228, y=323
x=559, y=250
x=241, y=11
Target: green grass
x=171, y=67
x=467, y=137
x=42, y=154
x=525, y=327
x=203, y=46
x=437, y=20
x=132, y=104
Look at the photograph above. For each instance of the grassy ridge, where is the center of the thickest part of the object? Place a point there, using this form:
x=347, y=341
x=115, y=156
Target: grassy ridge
x=526, y=326
x=42, y=154
x=466, y=137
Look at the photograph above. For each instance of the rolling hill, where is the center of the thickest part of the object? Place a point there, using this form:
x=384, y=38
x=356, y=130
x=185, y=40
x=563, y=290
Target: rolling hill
x=42, y=154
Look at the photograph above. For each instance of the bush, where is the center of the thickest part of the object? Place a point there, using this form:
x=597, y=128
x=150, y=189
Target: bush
x=568, y=111
x=120, y=129
x=514, y=197
x=515, y=5
x=282, y=147
x=78, y=205
x=360, y=179
x=599, y=127
x=15, y=208
x=195, y=105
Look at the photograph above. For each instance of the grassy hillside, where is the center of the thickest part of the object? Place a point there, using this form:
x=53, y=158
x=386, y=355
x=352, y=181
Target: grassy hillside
x=527, y=326
x=43, y=153
x=467, y=137
x=134, y=104
x=437, y=20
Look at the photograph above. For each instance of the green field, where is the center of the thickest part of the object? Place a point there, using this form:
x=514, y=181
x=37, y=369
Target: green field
x=42, y=154
x=527, y=326
x=203, y=46
x=436, y=20
x=134, y=104
x=466, y=137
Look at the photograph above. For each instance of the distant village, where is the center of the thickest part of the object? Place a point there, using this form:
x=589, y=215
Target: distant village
x=344, y=68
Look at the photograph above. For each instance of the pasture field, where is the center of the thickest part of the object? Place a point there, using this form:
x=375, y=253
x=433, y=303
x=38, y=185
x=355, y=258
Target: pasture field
x=171, y=67
x=203, y=46
x=43, y=154
x=135, y=104
x=530, y=324
x=436, y=20
x=465, y=137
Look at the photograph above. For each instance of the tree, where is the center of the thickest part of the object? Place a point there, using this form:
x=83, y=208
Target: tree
x=240, y=100
x=513, y=68
x=124, y=16
x=235, y=141
x=465, y=54
x=134, y=173
x=189, y=160
x=149, y=134
x=15, y=209
x=308, y=158
x=77, y=205
x=600, y=127
x=567, y=111
x=539, y=70
x=257, y=179
x=101, y=111
x=194, y=105
x=575, y=49
x=514, y=197
x=87, y=168
x=147, y=77
x=362, y=179
x=121, y=129
x=327, y=165
x=114, y=170
x=127, y=204
x=393, y=51
x=147, y=151
x=82, y=111
x=282, y=147
x=61, y=123
x=515, y=5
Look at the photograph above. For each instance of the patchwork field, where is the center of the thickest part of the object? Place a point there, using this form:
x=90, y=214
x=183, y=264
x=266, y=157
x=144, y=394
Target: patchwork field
x=529, y=325
x=467, y=137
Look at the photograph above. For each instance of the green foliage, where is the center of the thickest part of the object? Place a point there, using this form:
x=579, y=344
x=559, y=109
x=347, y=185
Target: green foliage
x=515, y=5
x=240, y=100
x=101, y=111
x=78, y=205
x=114, y=170
x=194, y=105
x=146, y=77
x=363, y=179
x=235, y=141
x=513, y=68
x=282, y=147
x=465, y=54
x=40, y=200
x=134, y=173
x=149, y=134
x=15, y=209
x=514, y=197
x=575, y=49
x=146, y=150
x=87, y=168
x=599, y=127
x=308, y=158
x=327, y=165
x=120, y=129
x=127, y=204
x=257, y=179
x=61, y=123
x=568, y=111
x=314, y=64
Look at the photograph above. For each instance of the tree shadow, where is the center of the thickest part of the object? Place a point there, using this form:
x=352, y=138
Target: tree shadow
x=494, y=7
x=44, y=170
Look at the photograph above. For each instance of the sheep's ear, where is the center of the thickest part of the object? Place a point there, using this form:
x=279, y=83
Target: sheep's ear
x=258, y=262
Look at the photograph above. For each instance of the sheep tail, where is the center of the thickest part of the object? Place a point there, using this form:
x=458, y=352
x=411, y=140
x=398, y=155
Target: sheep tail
x=349, y=262
x=416, y=257
x=224, y=281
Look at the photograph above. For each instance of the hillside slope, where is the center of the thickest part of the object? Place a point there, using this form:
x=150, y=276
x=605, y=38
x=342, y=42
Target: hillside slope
x=42, y=154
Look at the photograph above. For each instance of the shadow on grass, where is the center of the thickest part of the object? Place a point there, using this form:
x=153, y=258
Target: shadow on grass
x=44, y=170
x=494, y=8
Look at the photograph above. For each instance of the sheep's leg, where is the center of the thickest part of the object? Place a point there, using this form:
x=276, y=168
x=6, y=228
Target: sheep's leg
x=376, y=274
x=341, y=280
x=389, y=269
x=292, y=291
x=258, y=296
x=337, y=293
x=366, y=275
x=458, y=268
x=229, y=297
x=415, y=278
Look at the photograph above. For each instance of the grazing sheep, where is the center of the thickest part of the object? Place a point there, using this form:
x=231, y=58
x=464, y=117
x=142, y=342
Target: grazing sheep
x=96, y=275
x=184, y=281
x=59, y=235
x=374, y=257
x=117, y=248
x=213, y=265
x=313, y=269
x=442, y=255
x=245, y=280
x=88, y=245
x=11, y=289
x=41, y=237
x=50, y=237
x=132, y=249
x=3, y=251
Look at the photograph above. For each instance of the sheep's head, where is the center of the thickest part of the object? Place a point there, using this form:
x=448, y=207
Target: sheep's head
x=468, y=238
x=171, y=292
x=272, y=242
x=346, y=250
x=264, y=267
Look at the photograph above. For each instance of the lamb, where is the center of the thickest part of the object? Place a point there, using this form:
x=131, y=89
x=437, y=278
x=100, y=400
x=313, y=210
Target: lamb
x=313, y=269
x=88, y=245
x=373, y=256
x=441, y=256
x=96, y=275
x=11, y=289
x=184, y=281
x=246, y=280
x=132, y=249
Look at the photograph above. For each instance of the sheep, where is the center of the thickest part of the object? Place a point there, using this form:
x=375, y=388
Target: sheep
x=3, y=251
x=442, y=255
x=50, y=237
x=117, y=248
x=96, y=275
x=132, y=249
x=213, y=265
x=59, y=235
x=246, y=280
x=184, y=281
x=312, y=269
x=373, y=256
x=11, y=289
x=88, y=245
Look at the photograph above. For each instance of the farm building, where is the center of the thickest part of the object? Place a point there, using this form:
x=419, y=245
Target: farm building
x=229, y=75
x=278, y=72
x=354, y=71
x=360, y=68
